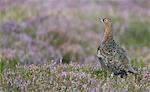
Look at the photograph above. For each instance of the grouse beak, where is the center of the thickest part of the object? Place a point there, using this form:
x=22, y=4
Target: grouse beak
x=101, y=20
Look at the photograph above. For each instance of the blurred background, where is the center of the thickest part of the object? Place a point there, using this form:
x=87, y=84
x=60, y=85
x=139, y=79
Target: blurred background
x=37, y=31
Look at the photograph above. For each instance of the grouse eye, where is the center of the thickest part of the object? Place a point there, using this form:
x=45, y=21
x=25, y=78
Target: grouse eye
x=106, y=20
x=103, y=20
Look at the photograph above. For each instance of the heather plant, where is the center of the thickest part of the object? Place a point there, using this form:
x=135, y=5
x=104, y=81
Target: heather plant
x=4, y=64
x=68, y=77
x=50, y=45
x=15, y=13
x=57, y=39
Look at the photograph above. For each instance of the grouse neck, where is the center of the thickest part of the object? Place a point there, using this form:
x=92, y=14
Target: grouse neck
x=107, y=33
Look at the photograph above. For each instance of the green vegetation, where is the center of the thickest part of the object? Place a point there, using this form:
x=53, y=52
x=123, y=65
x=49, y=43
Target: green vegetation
x=65, y=77
x=84, y=45
x=138, y=63
x=30, y=31
x=57, y=38
x=16, y=13
x=5, y=64
x=71, y=30
x=66, y=58
x=136, y=35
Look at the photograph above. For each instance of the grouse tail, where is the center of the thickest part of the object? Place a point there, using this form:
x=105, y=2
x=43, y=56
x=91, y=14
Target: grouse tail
x=132, y=70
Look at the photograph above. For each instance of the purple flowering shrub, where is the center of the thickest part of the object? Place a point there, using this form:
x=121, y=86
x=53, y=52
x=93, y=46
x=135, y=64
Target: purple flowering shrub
x=50, y=45
x=68, y=77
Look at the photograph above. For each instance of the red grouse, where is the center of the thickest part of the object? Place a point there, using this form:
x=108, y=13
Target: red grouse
x=112, y=57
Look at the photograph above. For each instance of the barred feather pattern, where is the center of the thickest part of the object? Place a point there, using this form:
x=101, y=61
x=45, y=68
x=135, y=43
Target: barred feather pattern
x=113, y=58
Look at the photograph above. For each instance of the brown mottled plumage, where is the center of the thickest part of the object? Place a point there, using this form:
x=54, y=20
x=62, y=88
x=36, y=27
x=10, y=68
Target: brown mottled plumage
x=111, y=56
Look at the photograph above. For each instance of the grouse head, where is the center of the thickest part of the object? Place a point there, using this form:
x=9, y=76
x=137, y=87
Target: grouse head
x=107, y=29
x=106, y=21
